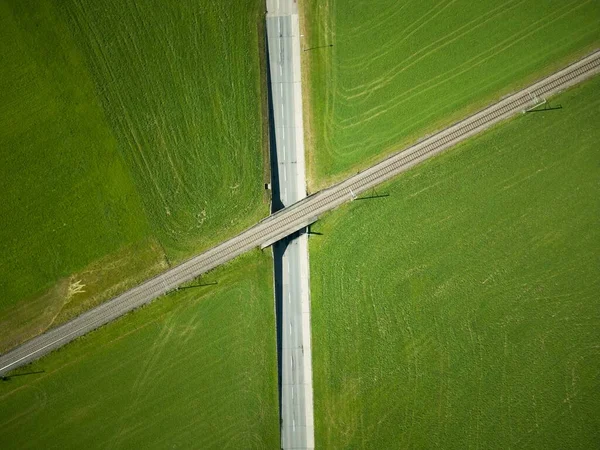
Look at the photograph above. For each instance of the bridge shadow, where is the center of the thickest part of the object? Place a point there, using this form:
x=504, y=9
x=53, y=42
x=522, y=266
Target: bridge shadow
x=278, y=252
x=279, y=247
x=276, y=203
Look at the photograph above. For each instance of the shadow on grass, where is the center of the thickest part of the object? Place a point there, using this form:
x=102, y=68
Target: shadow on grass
x=197, y=285
x=372, y=197
x=546, y=108
x=8, y=378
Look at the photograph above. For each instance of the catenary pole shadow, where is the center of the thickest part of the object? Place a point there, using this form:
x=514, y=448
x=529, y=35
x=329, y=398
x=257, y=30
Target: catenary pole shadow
x=546, y=108
x=372, y=196
x=197, y=285
x=7, y=378
x=310, y=232
x=315, y=48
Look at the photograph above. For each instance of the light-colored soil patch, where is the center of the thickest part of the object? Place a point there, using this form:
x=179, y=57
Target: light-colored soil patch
x=70, y=297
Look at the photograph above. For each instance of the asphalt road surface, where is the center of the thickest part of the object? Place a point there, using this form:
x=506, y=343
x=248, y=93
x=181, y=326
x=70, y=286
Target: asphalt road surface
x=291, y=255
x=295, y=364
x=286, y=93
x=295, y=217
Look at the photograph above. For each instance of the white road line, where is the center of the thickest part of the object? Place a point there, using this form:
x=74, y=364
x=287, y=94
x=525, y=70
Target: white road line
x=282, y=131
x=284, y=175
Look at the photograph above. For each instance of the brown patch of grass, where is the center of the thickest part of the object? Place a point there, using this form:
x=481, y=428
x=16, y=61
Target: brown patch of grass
x=102, y=280
x=113, y=275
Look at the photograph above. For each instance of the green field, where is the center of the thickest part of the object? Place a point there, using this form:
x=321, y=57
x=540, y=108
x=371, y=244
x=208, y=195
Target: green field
x=194, y=370
x=399, y=71
x=462, y=311
x=132, y=137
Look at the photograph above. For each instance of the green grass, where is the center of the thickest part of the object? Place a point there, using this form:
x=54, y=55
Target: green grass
x=194, y=370
x=462, y=311
x=396, y=72
x=181, y=85
x=132, y=137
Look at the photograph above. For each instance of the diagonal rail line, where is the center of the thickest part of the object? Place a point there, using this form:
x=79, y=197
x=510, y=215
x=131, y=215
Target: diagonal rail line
x=294, y=217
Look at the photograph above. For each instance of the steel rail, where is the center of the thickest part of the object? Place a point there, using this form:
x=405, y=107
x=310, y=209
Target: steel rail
x=294, y=217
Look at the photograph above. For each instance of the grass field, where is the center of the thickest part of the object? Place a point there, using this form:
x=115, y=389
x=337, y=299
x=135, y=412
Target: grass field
x=132, y=137
x=462, y=311
x=399, y=71
x=195, y=370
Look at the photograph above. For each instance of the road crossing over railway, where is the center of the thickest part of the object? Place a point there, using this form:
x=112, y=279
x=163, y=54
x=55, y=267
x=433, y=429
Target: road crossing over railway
x=294, y=217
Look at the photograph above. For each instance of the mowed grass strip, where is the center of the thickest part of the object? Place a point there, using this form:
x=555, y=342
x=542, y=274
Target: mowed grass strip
x=462, y=311
x=195, y=370
x=397, y=71
x=131, y=138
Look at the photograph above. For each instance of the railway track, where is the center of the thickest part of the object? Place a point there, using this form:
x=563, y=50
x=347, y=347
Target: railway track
x=294, y=217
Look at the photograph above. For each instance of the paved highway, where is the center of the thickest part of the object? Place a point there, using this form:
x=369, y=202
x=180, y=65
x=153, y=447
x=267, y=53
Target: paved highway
x=296, y=216
x=283, y=38
x=295, y=357
x=297, y=416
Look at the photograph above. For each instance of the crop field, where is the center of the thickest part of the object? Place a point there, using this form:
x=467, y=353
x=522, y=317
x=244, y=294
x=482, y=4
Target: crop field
x=132, y=137
x=462, y=310
x=194, y=370
x=398, y=71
